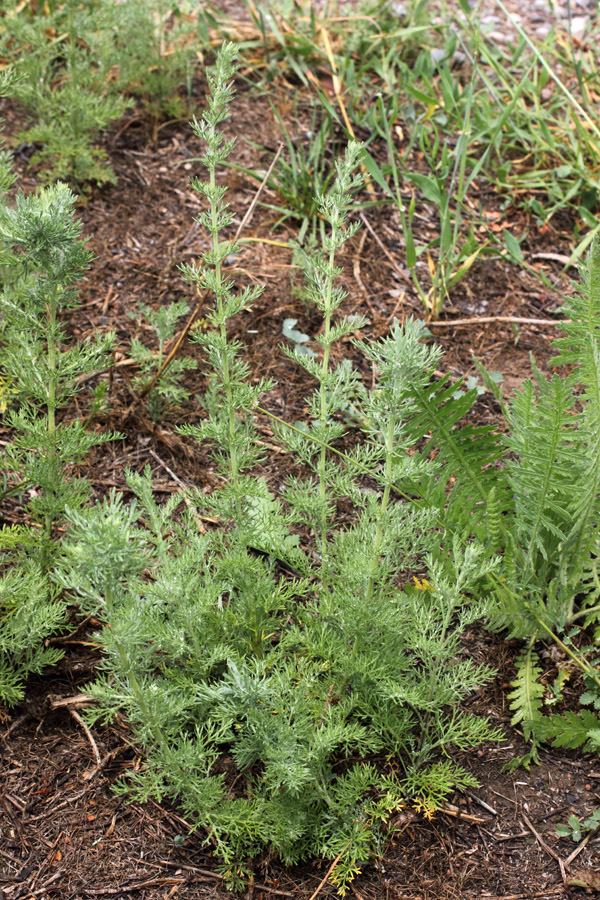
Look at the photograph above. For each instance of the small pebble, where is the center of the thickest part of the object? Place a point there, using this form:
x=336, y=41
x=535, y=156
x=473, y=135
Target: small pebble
x=578, y=25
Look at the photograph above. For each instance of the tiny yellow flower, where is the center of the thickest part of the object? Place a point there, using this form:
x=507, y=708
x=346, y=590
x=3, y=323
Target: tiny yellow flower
x=422, y=584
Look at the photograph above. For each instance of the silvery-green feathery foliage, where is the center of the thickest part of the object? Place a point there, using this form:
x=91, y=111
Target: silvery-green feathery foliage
x=47, y=256
x=267, y=696
x=216, y=657
x=29, y=608
x=168, y=392
x=43, y=254
x=156, y=49
x=7, y=176
x=30, y=611
x=78, y=63
x=233, y=394
x=64, y=57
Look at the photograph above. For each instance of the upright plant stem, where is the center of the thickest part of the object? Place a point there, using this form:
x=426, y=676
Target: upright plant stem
x=51, y=418
x=383, y=505
x=233, y=460
x=323, y=393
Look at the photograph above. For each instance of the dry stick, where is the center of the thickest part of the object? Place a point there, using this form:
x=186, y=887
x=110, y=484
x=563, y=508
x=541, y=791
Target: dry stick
x=546, y=847
x=88, y=734
x=170, y=357
x=216, y=876
x=65, y=640
x=456, y=813
x=383, y=248
x=578, y=849
x=525, y=896
x=170, y=471
x=183, y=487
x=136, y=886
x=337, y=87
x=482, y=803
x=118, y=365
x=252, y=206
x=476, y=320
x=328, y=873
x=71, y=702
x=14, y=725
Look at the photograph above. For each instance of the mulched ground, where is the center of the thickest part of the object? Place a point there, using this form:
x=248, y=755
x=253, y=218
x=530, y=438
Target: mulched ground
x=63, y=832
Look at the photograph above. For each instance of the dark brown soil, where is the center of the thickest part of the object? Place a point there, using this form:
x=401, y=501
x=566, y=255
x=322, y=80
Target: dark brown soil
x=63, y=832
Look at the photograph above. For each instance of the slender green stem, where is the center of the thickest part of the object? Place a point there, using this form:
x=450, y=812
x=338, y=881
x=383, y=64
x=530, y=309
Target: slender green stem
x=383, y=505
x=583, y=613
x=323, y=396
x=51, y=417
x=589, y=670
x=226, y=375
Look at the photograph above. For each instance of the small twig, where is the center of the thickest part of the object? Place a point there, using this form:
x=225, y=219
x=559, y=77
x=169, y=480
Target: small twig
x=251, y=208
x=170, y=471
x=45, y=886
x=65, y=639
x=88, y=776
x=456, y=813
x=168, y=359
x=78, y=700
x=216, y=876
x=546, y=847
x=549, y=892
x=88, y=734
x=18, y=721
x=511, y=837
x=137, y=886
x=482, y=803
x=383, y=248
x=328, y=872
x=579, y=848
x=399, y=302
x=477, y=320
x=118, y=365
x=326, y=707
x=18, y=804
x=539, y=838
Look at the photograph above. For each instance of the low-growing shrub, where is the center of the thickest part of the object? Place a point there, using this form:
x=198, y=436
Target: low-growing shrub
x=79, y=66
x=290, y=696
x=67, y=80
x=42, y=256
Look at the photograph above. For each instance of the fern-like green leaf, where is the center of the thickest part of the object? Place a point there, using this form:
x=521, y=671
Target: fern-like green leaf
x=544, y=444
x=526, y=698
x=467, y=456
x=581, y=347
x=572, y=730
